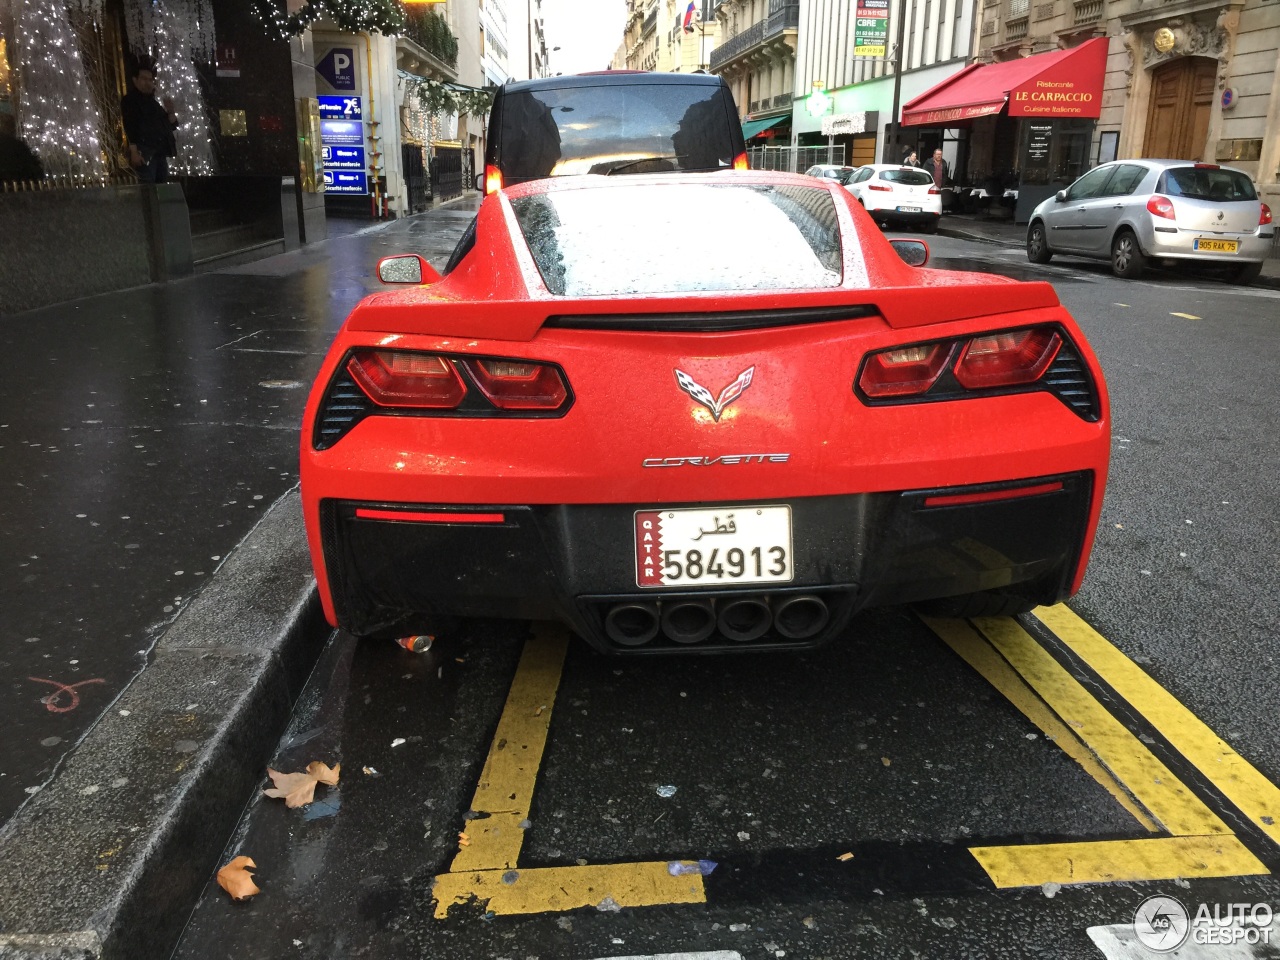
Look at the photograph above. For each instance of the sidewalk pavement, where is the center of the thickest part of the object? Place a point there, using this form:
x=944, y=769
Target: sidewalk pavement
x=143, y=435
x=974, y=227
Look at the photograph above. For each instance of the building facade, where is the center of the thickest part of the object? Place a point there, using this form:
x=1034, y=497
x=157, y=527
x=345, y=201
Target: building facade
x=757, y=57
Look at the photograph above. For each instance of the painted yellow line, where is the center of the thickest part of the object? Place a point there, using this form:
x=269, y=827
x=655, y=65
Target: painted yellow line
x=1170, y=802
x=1238, y=780
x=1109, y=860
x=505, y=791
x=1186, y=316
x=548, y=889
x=974, y=648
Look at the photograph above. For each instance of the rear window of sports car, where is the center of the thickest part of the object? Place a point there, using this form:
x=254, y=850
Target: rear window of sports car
x=682, y=238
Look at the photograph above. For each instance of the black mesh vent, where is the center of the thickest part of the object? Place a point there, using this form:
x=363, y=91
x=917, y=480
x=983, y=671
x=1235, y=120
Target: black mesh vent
x=1068, y=379
x=344, y=406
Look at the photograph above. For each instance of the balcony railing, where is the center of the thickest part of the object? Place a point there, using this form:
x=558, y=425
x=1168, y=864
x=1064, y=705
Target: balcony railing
x=650, y=23
x=1016, y=29
x=1087, y=11
x=783, y=15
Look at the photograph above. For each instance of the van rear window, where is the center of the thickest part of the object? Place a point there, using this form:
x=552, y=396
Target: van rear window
x=656, y=238
x=614, y=128
x=1205, y=183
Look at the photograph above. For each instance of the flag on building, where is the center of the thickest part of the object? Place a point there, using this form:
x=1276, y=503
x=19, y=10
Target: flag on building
x=689, y=16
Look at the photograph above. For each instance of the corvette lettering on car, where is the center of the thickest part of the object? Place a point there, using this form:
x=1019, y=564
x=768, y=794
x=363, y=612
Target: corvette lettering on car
x=697, y=412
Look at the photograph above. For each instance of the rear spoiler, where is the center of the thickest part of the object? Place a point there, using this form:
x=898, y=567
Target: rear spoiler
x=423, y=312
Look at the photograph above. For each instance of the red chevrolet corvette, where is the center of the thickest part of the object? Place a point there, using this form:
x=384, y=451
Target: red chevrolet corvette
x=695, y=412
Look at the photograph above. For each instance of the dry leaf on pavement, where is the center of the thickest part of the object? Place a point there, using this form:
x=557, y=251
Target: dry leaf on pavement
x=299, y=789
x=236, y=880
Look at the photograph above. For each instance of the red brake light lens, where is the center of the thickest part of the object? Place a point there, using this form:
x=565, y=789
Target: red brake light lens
x=1161, y=207
x=1007, y=359
x=740, y=162
x=1265, y=216
x=519, y=385
x=417, y=380
x=492, y=179
x=903, y=372
x=935, y=191
x=876, y=186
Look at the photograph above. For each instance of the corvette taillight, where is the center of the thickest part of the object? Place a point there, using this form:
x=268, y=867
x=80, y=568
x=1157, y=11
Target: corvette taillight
x=516, y=385
x=415, y=380
x=1161, y=207
x=1007, y=359
x=492, y=179
x=904, y=372
x=1264, y=217
x=740, y=162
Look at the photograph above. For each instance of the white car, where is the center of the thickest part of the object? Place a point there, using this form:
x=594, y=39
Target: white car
x=893, y=193
x=830, y=171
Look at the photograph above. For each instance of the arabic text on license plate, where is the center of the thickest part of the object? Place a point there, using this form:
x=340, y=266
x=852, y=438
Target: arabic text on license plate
x=721, y=546
x=1216, y=246
x=908, y=209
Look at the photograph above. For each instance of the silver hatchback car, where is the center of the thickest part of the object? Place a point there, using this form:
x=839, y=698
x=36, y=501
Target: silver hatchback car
x=1136, y=211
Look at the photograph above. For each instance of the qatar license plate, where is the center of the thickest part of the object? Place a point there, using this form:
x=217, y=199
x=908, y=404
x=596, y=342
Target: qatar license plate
x=721, y=546
x=908, y=209
x=1215, y=246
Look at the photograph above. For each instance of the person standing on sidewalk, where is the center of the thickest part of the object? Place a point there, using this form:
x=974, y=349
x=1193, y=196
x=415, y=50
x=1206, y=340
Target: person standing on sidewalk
x=148, y=126
x=938, y=169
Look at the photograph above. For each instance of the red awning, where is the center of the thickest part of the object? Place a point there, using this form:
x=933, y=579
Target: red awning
x=1057, y=85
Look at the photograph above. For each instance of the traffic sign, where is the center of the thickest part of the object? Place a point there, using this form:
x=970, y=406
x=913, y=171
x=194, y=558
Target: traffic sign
x=338, y=67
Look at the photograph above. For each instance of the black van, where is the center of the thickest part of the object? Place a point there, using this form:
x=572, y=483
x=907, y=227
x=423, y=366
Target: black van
x=620, y=121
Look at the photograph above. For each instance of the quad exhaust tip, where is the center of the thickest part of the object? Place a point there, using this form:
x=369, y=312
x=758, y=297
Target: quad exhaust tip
x=741, y=619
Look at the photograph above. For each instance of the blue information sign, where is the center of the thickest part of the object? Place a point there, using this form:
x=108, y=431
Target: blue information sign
x=344, y=133
x=345, y=181
x=342, y=158
x=338, y=67
x=340, y=108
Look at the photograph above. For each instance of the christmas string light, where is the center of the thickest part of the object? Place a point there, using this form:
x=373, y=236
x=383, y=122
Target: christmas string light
x=176, y=79
x=58, y=117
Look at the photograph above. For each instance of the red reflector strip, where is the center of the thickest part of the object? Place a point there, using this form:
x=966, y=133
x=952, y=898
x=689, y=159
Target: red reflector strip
x=987, y=496
x=363, y=513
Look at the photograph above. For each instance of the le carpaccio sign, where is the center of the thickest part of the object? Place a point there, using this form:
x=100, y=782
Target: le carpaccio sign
x=1072, y=87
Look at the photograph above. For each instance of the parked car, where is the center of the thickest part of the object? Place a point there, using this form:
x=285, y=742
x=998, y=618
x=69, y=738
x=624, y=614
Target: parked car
x=894, y=193
x=1136, y=211
x=618, y=121
x=831, y=171
x=729, y=425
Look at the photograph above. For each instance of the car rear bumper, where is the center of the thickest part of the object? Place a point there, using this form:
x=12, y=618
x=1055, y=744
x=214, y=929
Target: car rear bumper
x=1180, y=246
x=394, y=577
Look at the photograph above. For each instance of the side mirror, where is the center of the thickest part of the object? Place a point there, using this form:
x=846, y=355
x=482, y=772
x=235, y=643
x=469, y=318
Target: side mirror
x=1061, y=196
x=480, y=182
x=406, y=268
x=914, y=253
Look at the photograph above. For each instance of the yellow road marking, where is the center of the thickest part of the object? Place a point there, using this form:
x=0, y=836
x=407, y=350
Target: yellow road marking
x=1168, y=800
x=485, y=866
x=546, y=889
x=505, y=791
x=1103, y=861
x=1185, y=316
x=1238, y=780
x=969, y=644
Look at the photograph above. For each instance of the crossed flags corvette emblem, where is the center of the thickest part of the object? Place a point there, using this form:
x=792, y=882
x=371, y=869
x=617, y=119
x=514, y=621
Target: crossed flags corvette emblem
x=729, y=394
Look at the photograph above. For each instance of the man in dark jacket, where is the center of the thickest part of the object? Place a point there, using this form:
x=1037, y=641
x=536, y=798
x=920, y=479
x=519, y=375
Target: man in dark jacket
x=149, y=127
x=938, y=169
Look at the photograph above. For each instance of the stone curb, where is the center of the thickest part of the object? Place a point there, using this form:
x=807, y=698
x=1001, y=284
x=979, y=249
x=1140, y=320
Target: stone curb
x=108, y=860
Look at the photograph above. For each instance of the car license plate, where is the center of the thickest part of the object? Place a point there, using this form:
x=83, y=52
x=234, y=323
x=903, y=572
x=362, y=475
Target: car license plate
x=908, y=209
x=721, y=546
x=1215, y=246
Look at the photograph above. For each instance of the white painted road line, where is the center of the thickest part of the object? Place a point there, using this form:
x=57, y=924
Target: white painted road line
x=704, y=955
x=1120, y=942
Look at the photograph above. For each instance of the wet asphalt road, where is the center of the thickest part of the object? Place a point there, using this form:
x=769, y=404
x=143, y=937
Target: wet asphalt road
x=141, y=434
x=885, y=744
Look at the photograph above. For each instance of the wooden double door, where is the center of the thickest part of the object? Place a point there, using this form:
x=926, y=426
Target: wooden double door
x=1182, y=94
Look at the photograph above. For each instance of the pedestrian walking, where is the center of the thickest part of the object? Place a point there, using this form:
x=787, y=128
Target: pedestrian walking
x=912, y=159
x=149, y=127
x=938, y=169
